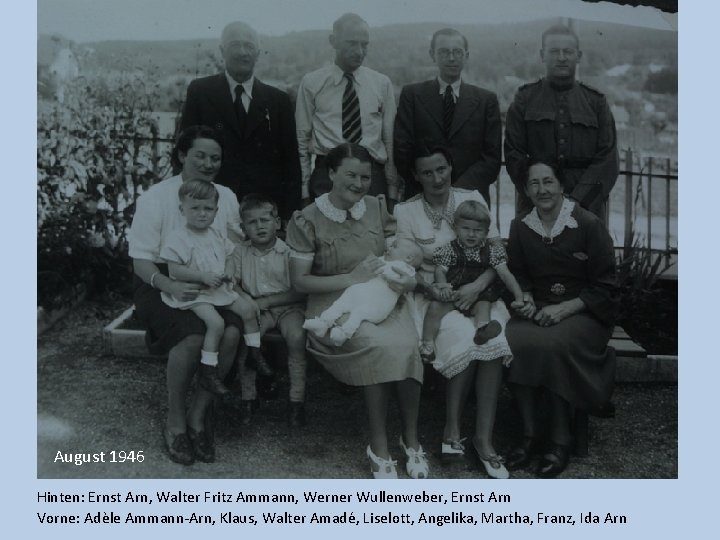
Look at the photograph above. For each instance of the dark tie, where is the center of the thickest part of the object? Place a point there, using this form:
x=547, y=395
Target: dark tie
x=239, y=107
x=351, y=124
x=448, y=110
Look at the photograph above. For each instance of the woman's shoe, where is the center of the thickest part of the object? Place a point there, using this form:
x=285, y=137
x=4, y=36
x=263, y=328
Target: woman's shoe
x=452, y=452
x=416, y=466
x=493, y=464
x=554, y=461
x=520, y=457
x=203, y=449
x=386, y=467
x=178, y=447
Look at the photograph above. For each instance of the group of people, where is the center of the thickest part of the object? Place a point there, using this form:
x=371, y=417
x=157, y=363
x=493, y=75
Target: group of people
x=437, y=284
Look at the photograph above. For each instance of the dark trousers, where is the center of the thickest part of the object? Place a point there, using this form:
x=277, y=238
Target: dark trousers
x=320, y=181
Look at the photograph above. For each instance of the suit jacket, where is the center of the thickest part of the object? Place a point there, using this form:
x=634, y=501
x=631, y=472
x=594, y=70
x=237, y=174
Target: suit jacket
x=264, y=157
x=475, y=140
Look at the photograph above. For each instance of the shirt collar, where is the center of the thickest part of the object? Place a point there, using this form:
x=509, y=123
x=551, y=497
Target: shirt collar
x=436, y=216
x=279, y=247
x=247, y=85
x=333, y=213
x=339, y=75
x=564, y=219
x=455, y=87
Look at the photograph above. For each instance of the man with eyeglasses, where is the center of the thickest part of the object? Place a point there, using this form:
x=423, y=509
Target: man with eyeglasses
x=565, y=121
x=446, y=111
x=256, y=122
x=346, y=102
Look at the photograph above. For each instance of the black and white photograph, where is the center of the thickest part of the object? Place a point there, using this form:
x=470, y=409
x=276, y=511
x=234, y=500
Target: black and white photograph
x=357, y=240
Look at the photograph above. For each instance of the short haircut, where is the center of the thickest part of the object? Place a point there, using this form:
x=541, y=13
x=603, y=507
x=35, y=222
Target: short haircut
x=198, y=189
x=474, y=211
x=242, y=25
x=339, y=24
x=448, y=32
x=559, y=30
x=187, y=138
x=252, y=201
x=557, y=171
x=346, y=150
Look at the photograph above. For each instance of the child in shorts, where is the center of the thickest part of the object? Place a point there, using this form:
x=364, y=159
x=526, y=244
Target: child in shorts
x=462, y=261
x=263, y=273
x=370, y=301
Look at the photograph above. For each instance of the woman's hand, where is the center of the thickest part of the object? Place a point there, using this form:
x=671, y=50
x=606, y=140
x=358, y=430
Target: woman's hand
x=400, y=282
x=212, y=279
x=442, y=292
x=526, y=308
x=555, y=313
x=367, y=269
x=184, y=291
x=466, y=295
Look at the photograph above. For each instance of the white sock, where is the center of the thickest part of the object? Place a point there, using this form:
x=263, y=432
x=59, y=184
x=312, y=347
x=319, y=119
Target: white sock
x=252, y=340
x=209, y=358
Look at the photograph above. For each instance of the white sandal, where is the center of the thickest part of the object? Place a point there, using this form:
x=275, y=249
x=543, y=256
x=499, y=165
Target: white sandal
x=417, y=466
x=386, y=467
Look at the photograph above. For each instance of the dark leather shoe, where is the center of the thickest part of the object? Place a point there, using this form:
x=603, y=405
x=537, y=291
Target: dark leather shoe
x=520, y=457
x=178, y=447
x=554, y=460
x=255, y=360
x=296, y=414
x=210, y=381
x=487, y=332
x=202, y=447
x=268, y=388
x=247, y=410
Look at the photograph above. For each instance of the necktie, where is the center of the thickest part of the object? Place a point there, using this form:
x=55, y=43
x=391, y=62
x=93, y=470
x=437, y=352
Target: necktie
x=239, y=107
x=351, y=124
x=448, y=110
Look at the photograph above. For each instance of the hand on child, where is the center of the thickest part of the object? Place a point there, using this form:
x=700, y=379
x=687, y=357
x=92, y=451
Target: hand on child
x=443, y=292
x=466, y=296
x=367, y=269
x=212, y=279
x=184, y=291
x=400, y=281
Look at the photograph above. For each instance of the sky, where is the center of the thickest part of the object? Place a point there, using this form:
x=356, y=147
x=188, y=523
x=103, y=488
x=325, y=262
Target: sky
x=98, y=20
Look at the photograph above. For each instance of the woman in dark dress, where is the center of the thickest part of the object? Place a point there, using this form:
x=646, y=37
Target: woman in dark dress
x=563, y=258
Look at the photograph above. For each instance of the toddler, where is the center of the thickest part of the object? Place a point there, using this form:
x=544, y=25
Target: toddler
x=371, y=301
x=198, y=253
x=460, y=262
x=262, y=267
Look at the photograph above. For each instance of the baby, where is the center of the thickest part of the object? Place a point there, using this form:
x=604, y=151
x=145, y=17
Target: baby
x=461, y=262
x=371, y=301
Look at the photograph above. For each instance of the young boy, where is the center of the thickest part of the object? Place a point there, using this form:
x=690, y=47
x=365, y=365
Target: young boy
x=461, y=262
x=262, y=268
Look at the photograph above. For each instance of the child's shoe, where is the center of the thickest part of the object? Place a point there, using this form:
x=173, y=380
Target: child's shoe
x=317, y=326
x=386, y=467
x=210, y=381
x=487, y=332
x=427, y=352
x=417, y=466
x=338, y=336
x=255, y=360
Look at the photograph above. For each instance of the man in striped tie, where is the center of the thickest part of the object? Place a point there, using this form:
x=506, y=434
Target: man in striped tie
x=446, y=111
x=346, y=102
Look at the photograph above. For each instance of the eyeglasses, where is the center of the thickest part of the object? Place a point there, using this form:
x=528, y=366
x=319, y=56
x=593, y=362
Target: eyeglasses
x=455, y=53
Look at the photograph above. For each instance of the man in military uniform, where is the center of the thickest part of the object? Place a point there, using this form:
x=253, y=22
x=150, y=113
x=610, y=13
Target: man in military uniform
x=566, y=122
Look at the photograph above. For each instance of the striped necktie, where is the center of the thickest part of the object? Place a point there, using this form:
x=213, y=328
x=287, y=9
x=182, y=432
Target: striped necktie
x=351, y=124
x=448, y=110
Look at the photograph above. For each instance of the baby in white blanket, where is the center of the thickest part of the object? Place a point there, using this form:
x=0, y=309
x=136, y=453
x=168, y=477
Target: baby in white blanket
x=371, y=301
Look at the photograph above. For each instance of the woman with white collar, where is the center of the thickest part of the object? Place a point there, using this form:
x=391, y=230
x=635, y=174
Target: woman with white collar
x=336, y=242
x=563, y=258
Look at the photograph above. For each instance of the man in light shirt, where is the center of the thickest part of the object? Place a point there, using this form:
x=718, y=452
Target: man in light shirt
x=448, y=112
x=256, y=122
x=346, y=102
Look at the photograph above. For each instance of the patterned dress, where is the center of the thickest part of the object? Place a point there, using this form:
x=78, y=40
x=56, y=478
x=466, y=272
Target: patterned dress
x=336, y=243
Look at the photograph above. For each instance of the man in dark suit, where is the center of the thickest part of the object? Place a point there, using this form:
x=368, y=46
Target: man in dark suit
x=256, y=120
x=448, y=112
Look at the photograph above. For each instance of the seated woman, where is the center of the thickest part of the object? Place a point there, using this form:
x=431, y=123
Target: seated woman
x=337, y=242
x=179, y=333
x=428, y=220
x=563, y=257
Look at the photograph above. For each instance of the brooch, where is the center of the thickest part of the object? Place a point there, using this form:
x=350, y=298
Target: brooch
x=558, y=289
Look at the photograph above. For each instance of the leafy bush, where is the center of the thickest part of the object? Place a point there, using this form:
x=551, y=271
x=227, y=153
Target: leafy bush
x=95, y=156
